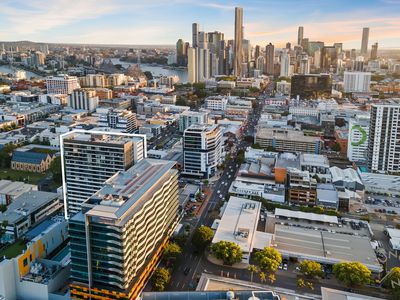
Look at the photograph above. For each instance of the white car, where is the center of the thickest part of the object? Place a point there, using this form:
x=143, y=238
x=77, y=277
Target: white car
x=285, y=267
x=218, y=191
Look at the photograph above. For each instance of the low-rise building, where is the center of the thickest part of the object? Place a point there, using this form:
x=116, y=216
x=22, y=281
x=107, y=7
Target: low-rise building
x=120, y=119
x=31, y=161
x=28, y=209
x=301, y=188
x=346, y=179
x=9, y=190
x=327, y=196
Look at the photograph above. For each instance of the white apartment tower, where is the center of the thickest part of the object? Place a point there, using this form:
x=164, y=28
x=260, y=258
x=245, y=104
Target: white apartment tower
x=89, y=158
x=202, y=150
x=384, y=137
x=357, y=146
x=356, y=82
x=84, y=99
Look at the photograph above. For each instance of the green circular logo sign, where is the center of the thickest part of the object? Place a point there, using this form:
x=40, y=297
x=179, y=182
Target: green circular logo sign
x=363, y=135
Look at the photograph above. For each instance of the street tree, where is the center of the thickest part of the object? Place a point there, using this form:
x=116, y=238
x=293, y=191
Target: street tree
x=263, y=276
x=310, y=269
x=202, y=237
x=172, y=251
x=352, y=273
x=392, y=280
x=253, y=269
x=301, y=283
x=228, y=252
x=268, y=259
x=160, y=279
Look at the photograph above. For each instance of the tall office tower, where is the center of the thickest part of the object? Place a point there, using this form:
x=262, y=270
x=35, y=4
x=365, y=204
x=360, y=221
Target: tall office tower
x=260, y=64
x=338, y=47
x=285, y=64
x=314, y=46
x=180, y=57
x=195, y=35
x=357, y=145
x=288, y=46
x=374, y=51
x=329, y=58
x=384, y=136
x=238, y=50
x=317, y=59
x=300, y=34
x=61, y=84
x=269, y=59
x=202, y=150
x=304, y=67
x=120, y=234
x=257, y=52
x=89, y=158
x=204, y=64
x=83, y=99
x=246, y=51
x=222, y=58
x=305, y=44
x=364, y=42
x=203, y=40
x=192, y=65
x=356, y=82
x=213, y=64
x=214, y=39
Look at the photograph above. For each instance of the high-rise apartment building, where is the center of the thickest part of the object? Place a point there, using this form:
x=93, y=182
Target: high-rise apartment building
x=384, y=136
x=61, y=84
x=304, y=67
x=85, y=99
x=300, y=34
x=195, y=35
x=202, y=150
x=192, y=65
x=188, y=118
x=120, y=119
x=285, y=64
x=238, y=50
x=118, y=237
x=269, y=59
x=364, y=41
x=356, y=82
x=357, y=145
x=93, y=81
x=89, y=158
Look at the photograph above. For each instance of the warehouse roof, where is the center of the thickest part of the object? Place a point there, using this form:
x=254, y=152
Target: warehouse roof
x=306, y=216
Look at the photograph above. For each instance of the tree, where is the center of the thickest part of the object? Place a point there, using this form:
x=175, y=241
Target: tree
x=172, y=251
x=3, y=208
x=253, y=269
x=240, y=156
x=228, y=252
x=352, y=273
x=202, y=237
x=55, y=169
x=148, y=75
x=336, y=147
x=301, y=283
x=272, y=278
x=268, y=259
x=310, y=269
x=206, y=182
x=161, y=278
x=263, y=277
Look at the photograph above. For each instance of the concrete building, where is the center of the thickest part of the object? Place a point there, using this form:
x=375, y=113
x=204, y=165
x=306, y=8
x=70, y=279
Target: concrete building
x=133, y=215
x=327, y=196
x=285, y=64
x=202, y=150
x=239, y=225
x=188, y=118
x=216, y=102
x=27, y=210
x=384, y=136
x=283, y=87
x=346, y=179
x=364, y=42
x=85, y=99
x=88, y=158
x=61, y=84
x=269, y=59
x=357, y=145
x=119, y=119
x=356, y=82
x=311, y=86
x=300, y=34
x=381, y=183
x=286, y=140
x=301, y=187
x=10, y=190
x=192, y=65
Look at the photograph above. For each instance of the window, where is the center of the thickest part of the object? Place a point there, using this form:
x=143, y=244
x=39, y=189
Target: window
x=25, y=262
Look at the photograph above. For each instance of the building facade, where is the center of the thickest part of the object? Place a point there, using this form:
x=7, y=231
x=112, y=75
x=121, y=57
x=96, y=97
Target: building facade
x=357, y=145
x=356, y=82
x=188, y=118
x=85, y=99
x=62, y=84
x=122, y=120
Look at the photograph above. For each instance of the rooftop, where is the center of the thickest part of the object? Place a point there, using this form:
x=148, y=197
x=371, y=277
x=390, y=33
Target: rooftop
x=127, y=190
x=239, y=224
x=14, y=188
x=305, y=216
x=100, y=137
x=285, y=134
x=346, y=175
x=29, y=157
x=324, y=246
x=314, y=159
x=25, y=204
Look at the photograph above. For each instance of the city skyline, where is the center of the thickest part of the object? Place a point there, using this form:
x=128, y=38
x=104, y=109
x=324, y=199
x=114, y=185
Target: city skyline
x=123, y=22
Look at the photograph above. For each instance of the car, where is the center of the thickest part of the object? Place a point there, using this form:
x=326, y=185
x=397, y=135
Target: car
x=186, y=271
x=285, y=267
x=218, y=191
x=280, y=267
x=220, y=196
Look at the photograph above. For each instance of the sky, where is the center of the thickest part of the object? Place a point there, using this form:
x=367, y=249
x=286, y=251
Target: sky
x=163, y=22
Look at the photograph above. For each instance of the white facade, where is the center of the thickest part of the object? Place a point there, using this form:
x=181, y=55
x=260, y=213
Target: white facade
x=285, y=64
x=357, y=82
x=62, y=84
x=384, y=136
x=188, y=118
x=358, y=138
x=216, y=103
x=85, y=99
x=192, y=65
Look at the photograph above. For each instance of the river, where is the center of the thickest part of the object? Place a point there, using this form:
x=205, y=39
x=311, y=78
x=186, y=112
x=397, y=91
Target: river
x=156, y=70
x=8, y=70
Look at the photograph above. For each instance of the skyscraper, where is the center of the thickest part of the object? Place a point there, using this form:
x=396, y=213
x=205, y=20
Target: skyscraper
x=222, y=58
x=180, y=58
x=88, y=158
x=285, y=64
x=238, y=51
x=300, y=35
x=195, y=35
x=118, y=237
x=384, y=134
x=192, y=65
x=269, y=59
x=364, y=41
x=374, y=51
